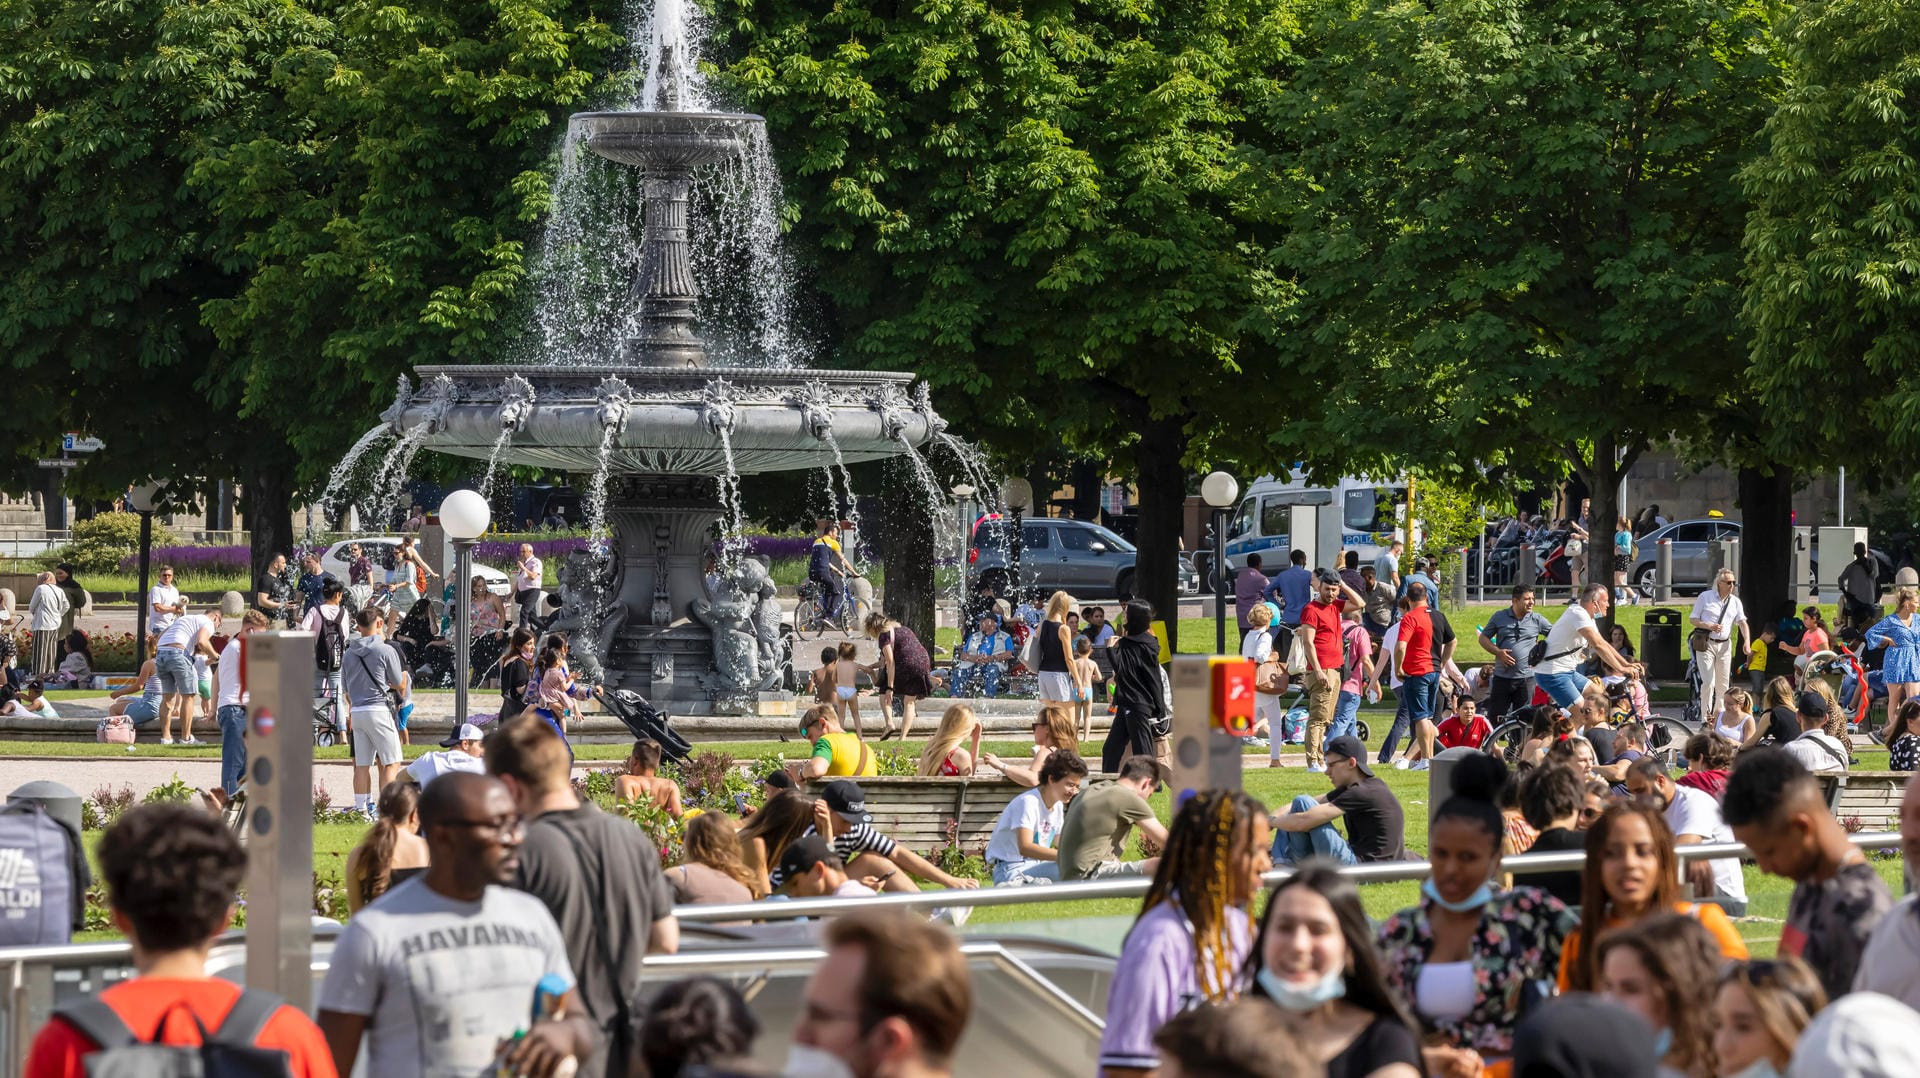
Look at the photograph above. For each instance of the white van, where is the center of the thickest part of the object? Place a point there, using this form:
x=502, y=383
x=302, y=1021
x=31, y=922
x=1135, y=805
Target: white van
x=1372, y=513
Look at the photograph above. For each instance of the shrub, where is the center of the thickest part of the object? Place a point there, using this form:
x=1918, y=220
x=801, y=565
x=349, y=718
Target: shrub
x=171, y=790
x=106, y=803
x=712, y=780
x=663, y=829
x=100, y=542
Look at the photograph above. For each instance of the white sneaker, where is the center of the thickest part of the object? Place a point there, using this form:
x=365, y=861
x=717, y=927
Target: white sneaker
x=1400, y=764
x=1421, y=766
x=951, y=915
x=193, y=741
x=166, y=741
x=1316, y=769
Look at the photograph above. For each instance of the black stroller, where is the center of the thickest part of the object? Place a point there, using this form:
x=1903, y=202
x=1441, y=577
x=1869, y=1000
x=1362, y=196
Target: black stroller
x=643, y=720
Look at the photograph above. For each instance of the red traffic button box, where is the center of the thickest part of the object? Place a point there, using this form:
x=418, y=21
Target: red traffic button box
x=1233, y=695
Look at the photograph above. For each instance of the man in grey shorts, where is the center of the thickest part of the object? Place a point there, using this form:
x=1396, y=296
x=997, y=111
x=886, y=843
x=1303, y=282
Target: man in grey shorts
x=370, y=668
x=1093, y=837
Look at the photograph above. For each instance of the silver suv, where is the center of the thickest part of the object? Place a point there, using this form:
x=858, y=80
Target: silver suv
x=1061, y=554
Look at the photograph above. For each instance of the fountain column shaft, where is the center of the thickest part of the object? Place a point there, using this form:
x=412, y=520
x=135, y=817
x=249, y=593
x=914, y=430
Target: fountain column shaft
x=666, y=292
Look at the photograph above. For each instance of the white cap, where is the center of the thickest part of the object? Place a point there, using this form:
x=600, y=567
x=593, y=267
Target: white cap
x=1862, y=1035
x=465, y=732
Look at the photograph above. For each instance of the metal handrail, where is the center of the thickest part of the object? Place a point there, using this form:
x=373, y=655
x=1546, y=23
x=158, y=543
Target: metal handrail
x=1136, y=886
x=804, y=957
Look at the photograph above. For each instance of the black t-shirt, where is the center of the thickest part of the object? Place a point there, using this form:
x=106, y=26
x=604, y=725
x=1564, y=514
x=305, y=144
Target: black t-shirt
x=609, y=891
x=1376, y=826
x=513, y=687
x=1602, y=739
x=1383, y=1043
x=1783, y=723
x=1564, y=886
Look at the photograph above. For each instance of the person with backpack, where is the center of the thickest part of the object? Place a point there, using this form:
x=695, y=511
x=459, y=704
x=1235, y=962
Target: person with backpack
x=173, y=874
x=232, y=713
x=327, y=621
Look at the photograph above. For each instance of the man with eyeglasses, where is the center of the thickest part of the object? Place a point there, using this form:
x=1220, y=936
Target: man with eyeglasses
x=440, y=973
x=1720, y=629
x=163, y=602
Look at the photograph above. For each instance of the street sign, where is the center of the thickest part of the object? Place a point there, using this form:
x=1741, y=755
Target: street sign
x=80, y=443
x=44, y=463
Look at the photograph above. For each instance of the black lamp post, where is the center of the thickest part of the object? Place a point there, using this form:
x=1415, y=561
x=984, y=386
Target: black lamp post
x=143, y=499
x=1220, y=491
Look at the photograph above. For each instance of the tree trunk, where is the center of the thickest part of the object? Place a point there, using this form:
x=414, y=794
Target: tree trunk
x=267, y=497
x=1086, y=479
x=1601, y=474
x=1163, y=497
x=908, y=551
x=1766, y=543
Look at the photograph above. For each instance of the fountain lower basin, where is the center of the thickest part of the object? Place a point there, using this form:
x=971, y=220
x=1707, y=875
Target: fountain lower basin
x=666, y=140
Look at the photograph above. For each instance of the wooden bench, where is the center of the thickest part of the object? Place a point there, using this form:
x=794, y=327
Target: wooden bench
x=928, y=814
x=1872, y=797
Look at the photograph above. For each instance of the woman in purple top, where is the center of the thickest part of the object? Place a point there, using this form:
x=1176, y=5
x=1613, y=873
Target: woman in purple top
x=1192, y=937
x=904, y=670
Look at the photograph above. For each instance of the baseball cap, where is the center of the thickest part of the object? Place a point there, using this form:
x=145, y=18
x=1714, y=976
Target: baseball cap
x=1324, y=575
x=1584, y=1036
x=465, y=732
x=847, y=800
x=779, y=779
x=801, y=855
x=1352, y=748
x=1811, y=703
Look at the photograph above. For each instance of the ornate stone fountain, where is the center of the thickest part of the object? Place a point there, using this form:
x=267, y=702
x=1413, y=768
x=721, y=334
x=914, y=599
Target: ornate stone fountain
x=667, y=429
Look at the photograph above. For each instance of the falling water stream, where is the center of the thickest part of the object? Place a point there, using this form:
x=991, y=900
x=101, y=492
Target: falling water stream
x=733, y=526
x=846, y=482
x=341, y=476
x=493, y=460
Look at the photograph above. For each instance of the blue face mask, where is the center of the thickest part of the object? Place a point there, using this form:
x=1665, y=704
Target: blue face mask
x=1475, y=901
x=1302, y=998
x=1662, y=1043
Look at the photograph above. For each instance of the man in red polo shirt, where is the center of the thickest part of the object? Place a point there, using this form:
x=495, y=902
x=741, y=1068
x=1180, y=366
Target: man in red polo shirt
x=1320, y=633
x=1413, y=657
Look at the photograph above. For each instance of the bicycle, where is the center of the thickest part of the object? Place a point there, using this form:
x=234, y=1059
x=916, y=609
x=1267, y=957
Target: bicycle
x=810, y=620
x=1666, y=738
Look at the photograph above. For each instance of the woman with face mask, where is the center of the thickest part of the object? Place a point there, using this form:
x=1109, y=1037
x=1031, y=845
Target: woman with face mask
x=1632, y=874
x=1471, y=958
x=1759, y=1012
x=1314, y=959
x=1190, y=943
x=1663, y=969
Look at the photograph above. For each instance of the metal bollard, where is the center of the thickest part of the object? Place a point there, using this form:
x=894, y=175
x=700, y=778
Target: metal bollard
x=1460, y=579
x=276, y=672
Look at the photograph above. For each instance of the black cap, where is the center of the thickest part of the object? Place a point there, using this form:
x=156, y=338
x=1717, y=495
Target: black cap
x=1812, y=704
x=1326, y=576
x=847, y=800
x=779, y=779
x=1583, y=1036
x=1352, y=748
x=801, y=855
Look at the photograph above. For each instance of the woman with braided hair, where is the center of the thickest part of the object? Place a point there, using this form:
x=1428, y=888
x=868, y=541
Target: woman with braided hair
x=1193, y=934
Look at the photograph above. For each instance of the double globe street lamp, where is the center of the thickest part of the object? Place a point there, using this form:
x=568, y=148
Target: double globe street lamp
x=464, y=516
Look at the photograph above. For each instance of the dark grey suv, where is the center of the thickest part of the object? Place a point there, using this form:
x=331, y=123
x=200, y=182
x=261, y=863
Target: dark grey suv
x=1060, y=554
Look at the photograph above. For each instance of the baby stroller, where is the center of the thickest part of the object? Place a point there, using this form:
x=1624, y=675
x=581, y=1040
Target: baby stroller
x=643, y=720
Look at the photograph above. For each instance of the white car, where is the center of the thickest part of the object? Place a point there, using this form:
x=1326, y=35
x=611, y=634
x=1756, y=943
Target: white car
x=378, y=547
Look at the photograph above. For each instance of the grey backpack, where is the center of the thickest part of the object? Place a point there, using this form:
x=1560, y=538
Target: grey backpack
x=43, y=877
x=228, y=1053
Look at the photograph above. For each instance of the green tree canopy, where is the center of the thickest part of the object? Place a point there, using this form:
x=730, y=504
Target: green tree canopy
x=1516, y=225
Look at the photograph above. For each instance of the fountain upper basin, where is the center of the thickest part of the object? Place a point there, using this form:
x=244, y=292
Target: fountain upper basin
x=678, y=140
x=666, y=421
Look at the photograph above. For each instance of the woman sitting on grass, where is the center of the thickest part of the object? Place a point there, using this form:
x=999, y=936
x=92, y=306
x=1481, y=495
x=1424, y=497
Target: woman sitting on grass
x=144, y=707
x=1052, y=731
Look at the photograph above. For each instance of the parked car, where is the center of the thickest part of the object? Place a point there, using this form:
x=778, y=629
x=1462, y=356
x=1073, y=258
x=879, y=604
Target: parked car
x=381, y=547
x=1691, y=560
x=1060, y=554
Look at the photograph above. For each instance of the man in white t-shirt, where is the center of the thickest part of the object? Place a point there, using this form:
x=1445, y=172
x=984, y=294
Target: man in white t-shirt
x=1816, y=750
x=440, y=972
x=189, y=635
x=1573, y=636
x=464, y=753
x=231, y=713
x=1694, y=817
x=327, y=621
x=1720, y=614
x=1024, y=846
x=163, y=602
x=528, y=575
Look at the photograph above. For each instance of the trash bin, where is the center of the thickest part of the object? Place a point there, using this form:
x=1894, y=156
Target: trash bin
x=1660, y=644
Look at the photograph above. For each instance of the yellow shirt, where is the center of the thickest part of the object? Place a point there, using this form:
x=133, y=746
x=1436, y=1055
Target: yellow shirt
x=845, y=755
x=832, y=543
